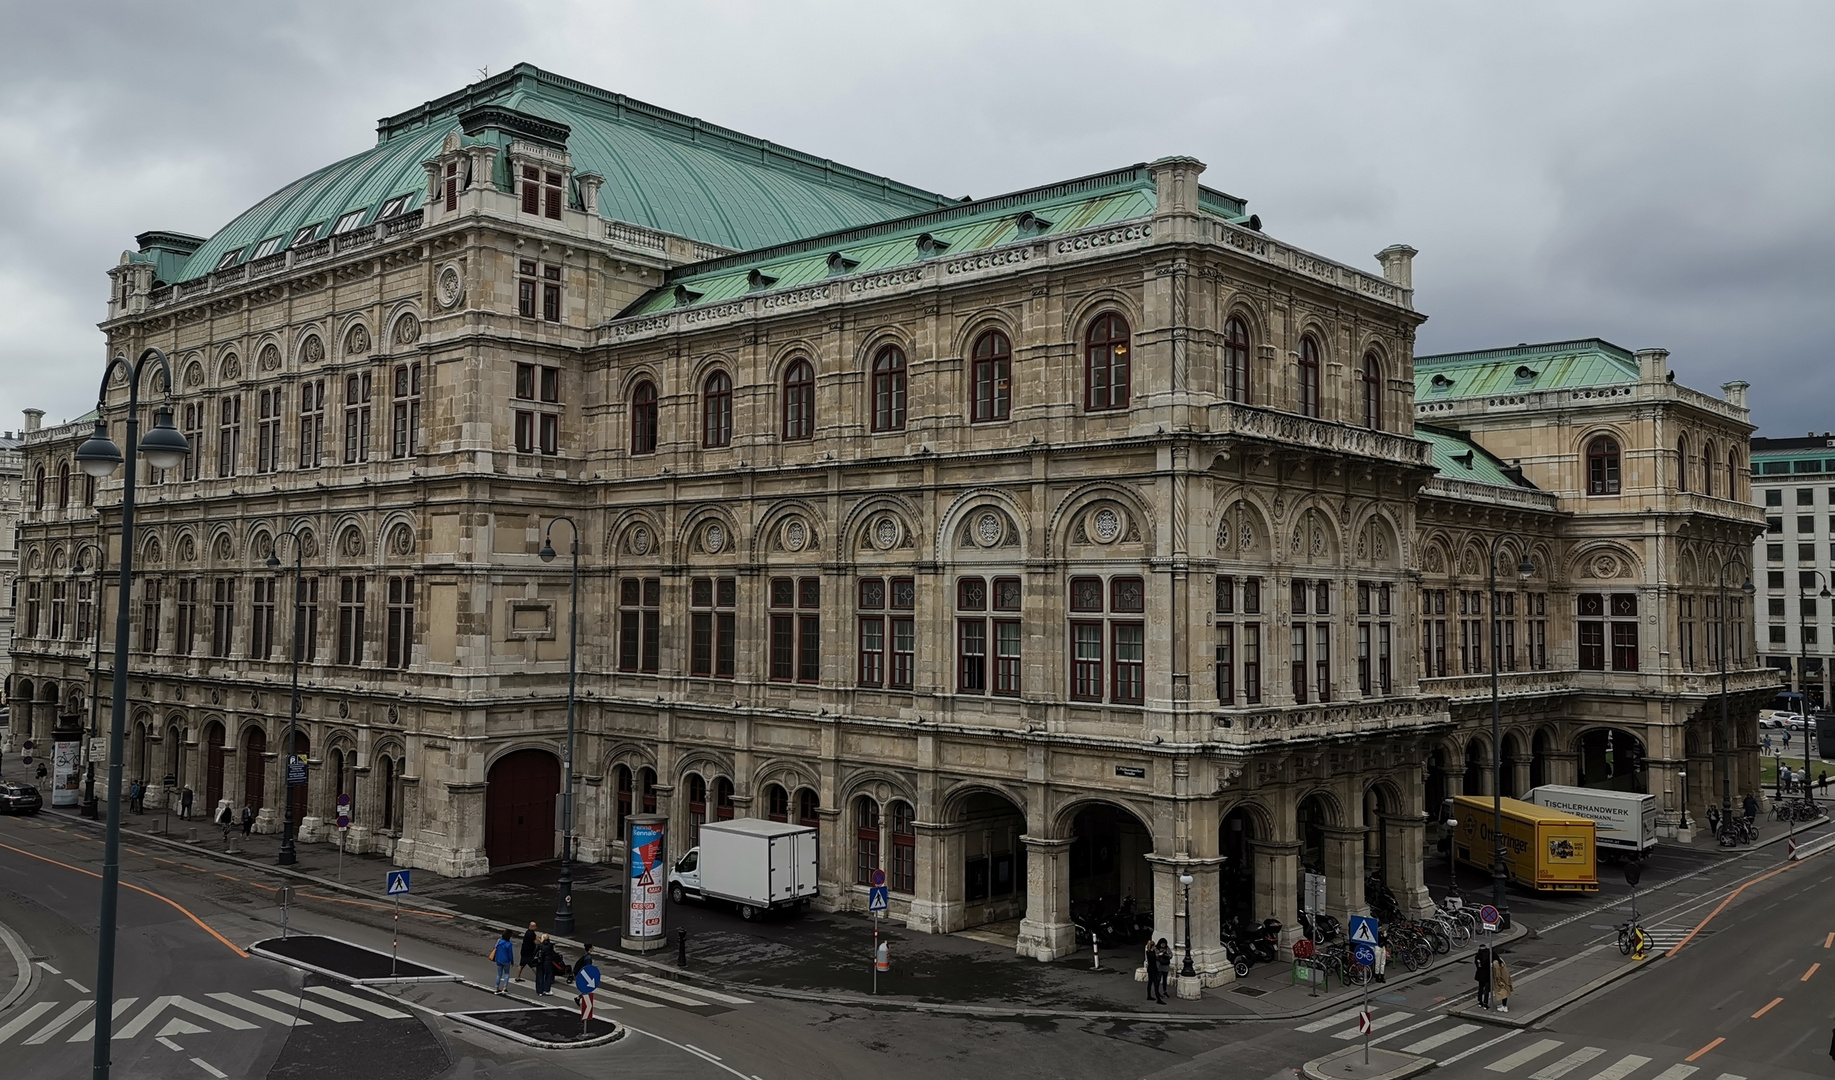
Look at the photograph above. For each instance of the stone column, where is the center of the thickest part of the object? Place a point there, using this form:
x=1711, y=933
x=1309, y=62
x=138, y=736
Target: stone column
x=1208, y=957
x=835, y=873
x=1046, y=933
x=1277, y=881
x=936, y=906
x=1667, y=786
x=1403, y=868
x=1519, y=773
x=1344, y=873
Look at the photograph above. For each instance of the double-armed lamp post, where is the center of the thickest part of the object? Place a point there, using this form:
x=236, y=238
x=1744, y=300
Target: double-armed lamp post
x=1499, y=872
x=563, y=906
x=288, y=853
x=99, y=457
x=95, y=668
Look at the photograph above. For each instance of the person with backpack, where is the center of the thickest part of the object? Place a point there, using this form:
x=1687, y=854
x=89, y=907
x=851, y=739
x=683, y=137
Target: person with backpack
x=544, y=965
x=503, y=954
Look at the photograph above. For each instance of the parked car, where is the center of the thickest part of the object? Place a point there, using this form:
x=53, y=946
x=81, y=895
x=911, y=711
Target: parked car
x=1780, y=720
x=18, y=798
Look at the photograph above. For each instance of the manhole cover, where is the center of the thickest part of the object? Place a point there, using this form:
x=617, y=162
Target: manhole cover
x=1430, y=980
x=1249, y=991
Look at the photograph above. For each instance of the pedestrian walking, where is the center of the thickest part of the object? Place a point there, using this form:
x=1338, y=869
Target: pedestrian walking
x=1751, y=808
x=544, y=965
x=1822, y=782
x=1481, y=964
x=1714, y=820
x=586, y=958
x=1165, y=952
x=135, y=792
x=529, y=939
x=1382, y=956
x=248, y=820
x=227, y=820
x=1500, y=984
x=184, y=805
x=1153, y=972
x=503, y=954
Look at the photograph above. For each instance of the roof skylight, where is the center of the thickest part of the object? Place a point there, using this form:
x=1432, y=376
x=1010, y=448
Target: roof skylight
x=348, y=222
x=306, y=233
x=229, y=259
x=268, y=247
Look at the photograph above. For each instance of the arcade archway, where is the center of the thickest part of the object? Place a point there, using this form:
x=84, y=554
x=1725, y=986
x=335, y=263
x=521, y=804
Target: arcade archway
x=519, y=807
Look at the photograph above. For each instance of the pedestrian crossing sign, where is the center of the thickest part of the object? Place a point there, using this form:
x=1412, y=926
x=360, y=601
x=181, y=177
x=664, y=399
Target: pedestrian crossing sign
x=398, y=882
x=876, y=899
x=1363, y=930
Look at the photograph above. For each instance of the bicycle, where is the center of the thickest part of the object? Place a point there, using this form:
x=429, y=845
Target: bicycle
x=1632, y=938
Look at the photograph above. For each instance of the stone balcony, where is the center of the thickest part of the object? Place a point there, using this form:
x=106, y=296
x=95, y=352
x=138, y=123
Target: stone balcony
x=1465, y=690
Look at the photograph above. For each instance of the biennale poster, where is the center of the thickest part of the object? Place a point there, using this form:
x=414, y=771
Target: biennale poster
x=648, y=879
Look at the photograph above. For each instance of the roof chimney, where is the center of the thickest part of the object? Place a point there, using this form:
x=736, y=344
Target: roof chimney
x=1735, y=393
x=1398, y=265
x=32, y=419
x=1652, y=365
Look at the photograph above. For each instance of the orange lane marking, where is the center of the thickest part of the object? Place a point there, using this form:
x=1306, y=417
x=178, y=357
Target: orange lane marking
x=383, y=907
x=1734, y=895
x=202, y=925
x=169, y=862
x=199, y=869
x=1768, y=1008
x=1811, y=971
x=1705, y=1049
x=1829, y=941
x=231, y=877
x=56, y=828
x=259, y=885
x=136, y=851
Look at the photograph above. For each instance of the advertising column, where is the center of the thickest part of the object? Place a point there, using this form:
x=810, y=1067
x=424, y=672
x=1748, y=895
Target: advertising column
x=66, y=762
x=646, y=845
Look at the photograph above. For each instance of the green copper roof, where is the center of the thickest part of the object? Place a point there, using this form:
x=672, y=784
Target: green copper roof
x=949, y=233
x=662, y=170
x=1550, y=366
x=1457, y=457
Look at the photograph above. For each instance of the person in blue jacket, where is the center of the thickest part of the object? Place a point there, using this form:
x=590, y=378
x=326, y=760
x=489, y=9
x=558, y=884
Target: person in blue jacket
x=504, y=955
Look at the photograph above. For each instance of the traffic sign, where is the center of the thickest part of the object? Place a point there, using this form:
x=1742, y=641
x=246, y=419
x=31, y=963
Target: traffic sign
x=398, y=882
x=344, y=803
x=1364, y=1024
x=296, y=772
x=587, y=980
x=586, y=1008
x=876, y=898
x=1363, y=930
x=1364, y=954
x=343, y=821
x=1488, y=916
x=877, y=879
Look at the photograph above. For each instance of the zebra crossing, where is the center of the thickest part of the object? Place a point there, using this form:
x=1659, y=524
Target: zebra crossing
x=169, y=1015
x=642, y=990
x=1439, y=1036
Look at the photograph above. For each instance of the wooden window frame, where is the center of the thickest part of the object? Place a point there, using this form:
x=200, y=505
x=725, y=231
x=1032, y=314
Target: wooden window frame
x=717, y=410
x=891, y=385
x=1238, y=347
x=1107, y=363
x=1604, y=466
x=799, y=409
x=644, y=417
x=991, y=378
x=1309, y=371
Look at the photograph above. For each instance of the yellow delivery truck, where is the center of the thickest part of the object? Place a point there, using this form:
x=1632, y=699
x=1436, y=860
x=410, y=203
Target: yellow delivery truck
x=1546, y=850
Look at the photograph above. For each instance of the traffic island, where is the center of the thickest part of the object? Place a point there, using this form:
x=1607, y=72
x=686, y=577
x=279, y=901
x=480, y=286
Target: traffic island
x=346, y=962
x=549, y=1027
x=1383, y=1065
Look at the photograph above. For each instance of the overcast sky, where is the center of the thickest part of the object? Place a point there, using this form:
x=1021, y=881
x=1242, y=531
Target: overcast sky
x=1654, y=174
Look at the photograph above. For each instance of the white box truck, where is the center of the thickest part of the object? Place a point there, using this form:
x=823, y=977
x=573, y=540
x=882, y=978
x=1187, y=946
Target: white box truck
x=1627, y=820
x=755, y=864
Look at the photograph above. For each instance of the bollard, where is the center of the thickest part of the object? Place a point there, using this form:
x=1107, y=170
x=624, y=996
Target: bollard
x=681, y=946
x=1095, y=955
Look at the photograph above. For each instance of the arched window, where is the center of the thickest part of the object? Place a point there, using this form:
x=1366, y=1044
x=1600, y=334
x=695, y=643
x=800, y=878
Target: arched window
x=389, y=822
x=1236, y=360
x=38, y=489
x=723, y=799
x=806, y=805
x=63, y=485
x=1105, y=363
x=1309, y=376
x=621, y=777
x=1373, y=391
x=1602, y=466
x=717, y=410
x=901, y=872
x=1707, y=467
x=1682, y=460
x=89, y=490
x=866, y=840
x=992, y=376
x=697, y=807
x=889, y=389
x=777, y=803
x=800, y=401
x=643, y=418
x=1734, y=488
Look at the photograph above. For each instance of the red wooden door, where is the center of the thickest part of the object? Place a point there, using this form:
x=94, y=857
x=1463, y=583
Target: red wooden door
x=254, y=767
x=519, y=808
x=213, y=770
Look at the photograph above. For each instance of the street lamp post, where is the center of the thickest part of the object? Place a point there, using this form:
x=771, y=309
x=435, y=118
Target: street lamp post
x=99, y=457
x=1726, y=733
x=563, y=906
x=289, y=854
x=1499, y=874
x=1188, y=971
x=95, y=669
x=1803, y=661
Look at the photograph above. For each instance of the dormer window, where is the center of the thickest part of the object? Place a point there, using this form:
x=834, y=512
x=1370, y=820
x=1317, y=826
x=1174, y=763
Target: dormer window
x=229, y=259
x=930, y=245
x=1030, y=224
x=1441, y=382
x=349, y=222
x=1524, y=373
x=306, y=234
x=393, y=207
x=268, y=247
x=839, y=264
x=541, y=192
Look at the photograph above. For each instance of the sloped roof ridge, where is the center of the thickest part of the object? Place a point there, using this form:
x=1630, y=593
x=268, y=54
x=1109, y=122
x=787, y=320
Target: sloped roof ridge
x=1464, y=438
x=663, y=121
x=1507, y=352
x=994, y=203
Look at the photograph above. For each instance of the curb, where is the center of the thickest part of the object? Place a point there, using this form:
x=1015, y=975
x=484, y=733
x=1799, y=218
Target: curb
x=1401, y=1065
x=24, y=984
x=619, y=1030
x=281, y=958
x=1530, y=1018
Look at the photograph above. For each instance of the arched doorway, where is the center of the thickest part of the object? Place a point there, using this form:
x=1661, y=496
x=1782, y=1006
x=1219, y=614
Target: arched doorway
x=1477, y=768
x=254, y=768
x=777, y=803
x=1540, y=747
x=1513, y=756
x=296, y=793
x=213, y=767
x=174, y=757
x=697, y=807
x=1438, y=789
x=136, y=765
x=1236, y=877
x=390, y=802
x=1108, y=864
x=984, y=835
x=519, y=807
x=1610, y=758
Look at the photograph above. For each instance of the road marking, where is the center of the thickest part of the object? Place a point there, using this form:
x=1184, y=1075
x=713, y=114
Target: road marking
x=1622, y=1067
x=643, y=1003
x=1729, y=1076
x=1568, y=1064
x=168, y=862
x=1399, y=1032
x=654, y=992
x=1331, y=1021
x=1440, y=1038
x=159, y=1004
x=170, y=1045
x=1768, y=1008
x=231, y=877
x=356, y=1002
x=308, y=1005
x=88, y=1030
x=728, y=998
x=32, y=1013
x=186, y=912
x=1481, y=1046
x=1730, y=897
x=1382, y=1021
x=1829, y=941
x=209, y=1068
x=1676, y=1072
x=81, y=989
x=1706, y=1048
x=258, y=1009
x=703, y=1053
x=1811, y=971
x=46, y=1033
x=199, y=869
x=180, y=1026
x=1523, y=1057
x=49, y=968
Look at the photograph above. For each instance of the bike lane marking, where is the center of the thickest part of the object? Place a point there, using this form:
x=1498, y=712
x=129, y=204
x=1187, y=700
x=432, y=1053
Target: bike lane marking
x=186, y=912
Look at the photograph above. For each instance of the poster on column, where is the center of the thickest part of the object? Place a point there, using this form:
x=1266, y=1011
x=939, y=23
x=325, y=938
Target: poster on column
x=645, y=850
x=1315, y=893
x=66, y=759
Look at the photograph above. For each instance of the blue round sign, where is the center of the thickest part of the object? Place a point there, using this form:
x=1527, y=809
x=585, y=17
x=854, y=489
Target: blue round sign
x=1364, y=954
x=587, y=980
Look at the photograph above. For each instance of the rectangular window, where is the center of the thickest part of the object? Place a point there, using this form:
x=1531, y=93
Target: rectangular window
x=149, y=616
x=1384, y=665
x=1433, y=633
x=551, y=385
x=311, y=423
x=1226, y=664
x=1007, y=638
x=1774, y=526
x=59, y=593
x=525, y=432
x=552, y=194
x=229, y=433
x=525, y=288
x=1322, y=661
x=192, y=423
x=222, y=616
x=306, y=619
x=1364, y=669
x=1806, y=496
x=1806, y=553
x=1251, y=663
x=1298, y=658
x=187, y=616
x=712, y=626
x=1125, y=639
x=1129, y=683
x=398, y=647
x=85, y=610
x=267, y=432
x=551, y=293
x=1774, y=553
x=356, y=418
x=1226, y=595
x=531, y=190
x=351, y=618
x=407, y=410
x=550, y=434
x=639, y=623
x=1624, y=646
x=796, y=629
x=1806, y=523
x=972, y=656
x=348, y=222
x=261, y=629
x=1086, y=661
x=305, y=234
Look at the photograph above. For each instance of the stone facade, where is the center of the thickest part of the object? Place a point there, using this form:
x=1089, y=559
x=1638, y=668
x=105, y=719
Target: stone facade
x=1035, y=571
